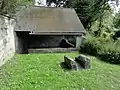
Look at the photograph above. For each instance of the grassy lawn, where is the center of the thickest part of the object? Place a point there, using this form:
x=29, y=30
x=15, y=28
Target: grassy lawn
x=43, y=72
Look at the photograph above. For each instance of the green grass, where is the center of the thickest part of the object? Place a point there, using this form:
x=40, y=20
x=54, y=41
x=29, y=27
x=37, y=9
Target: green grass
x=43, y=72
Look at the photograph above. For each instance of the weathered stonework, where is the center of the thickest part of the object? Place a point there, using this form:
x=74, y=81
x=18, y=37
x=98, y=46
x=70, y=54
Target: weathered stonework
x=80, y=62
x=71, y=64
x=84, y=61
x=7, y=46
x=44, y=27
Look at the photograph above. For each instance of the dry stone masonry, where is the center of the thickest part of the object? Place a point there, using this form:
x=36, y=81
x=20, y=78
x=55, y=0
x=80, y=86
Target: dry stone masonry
x=80, y=62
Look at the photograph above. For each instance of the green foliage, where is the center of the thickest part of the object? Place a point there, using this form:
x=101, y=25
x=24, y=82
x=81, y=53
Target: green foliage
x=117, y=20
x=91, y=46
x=94, y=45
x=105, y=28
x=111, y=53
x=104, y=48
x=89, y=10
x=9, y=7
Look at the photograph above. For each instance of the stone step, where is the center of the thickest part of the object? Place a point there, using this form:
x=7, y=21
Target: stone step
x=52, y=50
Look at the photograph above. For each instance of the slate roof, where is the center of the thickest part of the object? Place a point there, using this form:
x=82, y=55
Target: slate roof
x=42, y=20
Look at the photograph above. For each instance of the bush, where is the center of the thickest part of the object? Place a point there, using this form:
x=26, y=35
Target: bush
x=111, y=56
x=116, y=20
x=111, y=53
x=91, y=46
x=105, y=49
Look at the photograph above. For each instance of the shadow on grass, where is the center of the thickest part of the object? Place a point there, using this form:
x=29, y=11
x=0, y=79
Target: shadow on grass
x=64, y=66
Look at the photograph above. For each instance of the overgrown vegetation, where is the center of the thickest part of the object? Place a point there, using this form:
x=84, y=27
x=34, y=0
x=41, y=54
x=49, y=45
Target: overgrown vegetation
x=43, y=72
x=101, y=25
x=103, y=48
x=89, y=10
x=117, y=20
x=10, y=7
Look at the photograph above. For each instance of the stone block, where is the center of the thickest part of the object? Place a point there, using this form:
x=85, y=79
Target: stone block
x=79, y=41
x=84, y=61
x=71, y=64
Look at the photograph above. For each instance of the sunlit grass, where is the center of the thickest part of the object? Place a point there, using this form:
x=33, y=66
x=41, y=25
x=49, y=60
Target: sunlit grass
x=43, y=72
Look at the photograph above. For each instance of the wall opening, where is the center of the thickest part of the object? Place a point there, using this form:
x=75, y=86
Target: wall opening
x=49, y=41
x=25, y=41
x=21, y=42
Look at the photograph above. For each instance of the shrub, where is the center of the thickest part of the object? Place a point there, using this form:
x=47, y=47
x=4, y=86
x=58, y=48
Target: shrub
x=111, y=53
x=91, y=46
x=105, y=49
x=111, y=56
x=116, y=20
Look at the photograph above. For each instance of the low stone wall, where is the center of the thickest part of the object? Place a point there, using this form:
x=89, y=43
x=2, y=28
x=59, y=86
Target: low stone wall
x=7, y=46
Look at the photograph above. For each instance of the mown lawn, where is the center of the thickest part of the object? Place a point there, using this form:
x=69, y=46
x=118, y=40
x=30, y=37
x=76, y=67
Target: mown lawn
x=43, y=72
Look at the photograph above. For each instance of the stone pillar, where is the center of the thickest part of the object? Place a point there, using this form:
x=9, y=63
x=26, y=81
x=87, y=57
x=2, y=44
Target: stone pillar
x=79, y=41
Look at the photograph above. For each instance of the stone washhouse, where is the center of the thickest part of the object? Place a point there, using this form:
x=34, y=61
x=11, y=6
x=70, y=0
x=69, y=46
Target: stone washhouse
x=48, y=29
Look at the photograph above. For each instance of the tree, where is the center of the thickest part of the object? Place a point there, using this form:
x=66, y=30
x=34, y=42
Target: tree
x=89, y=10
x=9, y=7
x=117, y=20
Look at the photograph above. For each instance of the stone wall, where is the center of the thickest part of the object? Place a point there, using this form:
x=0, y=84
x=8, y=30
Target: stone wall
x=7, y=46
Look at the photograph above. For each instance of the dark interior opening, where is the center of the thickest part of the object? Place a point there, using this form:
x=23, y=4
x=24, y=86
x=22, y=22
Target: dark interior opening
x=25, y=41
x=21, y=42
